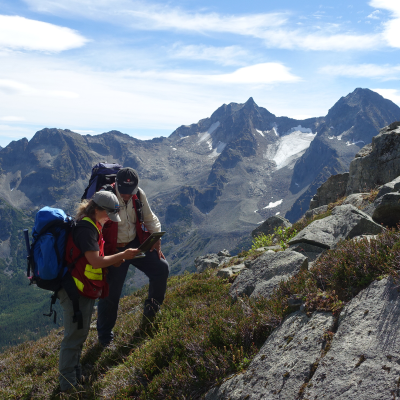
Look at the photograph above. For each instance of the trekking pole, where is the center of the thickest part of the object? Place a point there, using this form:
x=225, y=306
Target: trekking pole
x=28, y=250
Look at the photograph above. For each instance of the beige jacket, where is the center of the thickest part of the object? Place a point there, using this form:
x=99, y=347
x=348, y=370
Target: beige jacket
x=127, y=226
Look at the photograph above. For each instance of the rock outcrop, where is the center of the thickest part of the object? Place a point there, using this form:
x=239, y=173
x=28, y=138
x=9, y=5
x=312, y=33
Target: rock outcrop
x=364, y=359
x=268, y=227
x=333, y=189
x=345, y=222
x=378, y=164
x=283, y=364
x=264, y=274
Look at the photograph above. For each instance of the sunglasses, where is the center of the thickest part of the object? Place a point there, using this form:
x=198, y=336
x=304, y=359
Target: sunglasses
x=112, y=211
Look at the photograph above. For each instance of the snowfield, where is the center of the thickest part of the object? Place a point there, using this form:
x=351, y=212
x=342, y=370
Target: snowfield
x=290, y=147
x=273, y=205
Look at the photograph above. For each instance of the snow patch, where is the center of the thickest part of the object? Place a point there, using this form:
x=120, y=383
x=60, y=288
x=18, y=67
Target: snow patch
x=339, y=137
x=260, y=132
x=206, y=135
x=299, y=128
x=174, y=148
x=354, y=143
x=218, y=150
x=278, y=213
x=288, y=147
x=261, y=222
x=273, y=205
x=275, y=131
x=184, y=137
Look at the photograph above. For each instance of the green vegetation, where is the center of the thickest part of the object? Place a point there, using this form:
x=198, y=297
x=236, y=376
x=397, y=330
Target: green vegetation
x=201, y=336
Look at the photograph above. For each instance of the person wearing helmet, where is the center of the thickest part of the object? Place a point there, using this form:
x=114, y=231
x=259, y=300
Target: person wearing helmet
x=135, y=212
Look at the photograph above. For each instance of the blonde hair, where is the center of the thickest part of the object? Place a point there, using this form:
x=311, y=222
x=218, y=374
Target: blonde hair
x=86, y=208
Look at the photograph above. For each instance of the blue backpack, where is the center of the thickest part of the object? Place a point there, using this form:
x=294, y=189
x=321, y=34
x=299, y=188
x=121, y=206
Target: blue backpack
x=47, y=267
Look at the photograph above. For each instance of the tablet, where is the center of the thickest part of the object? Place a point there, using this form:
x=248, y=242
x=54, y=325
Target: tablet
x=149, y=242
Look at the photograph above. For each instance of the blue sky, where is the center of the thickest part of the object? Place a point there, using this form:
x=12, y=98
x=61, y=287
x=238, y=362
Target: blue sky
x=145, y=68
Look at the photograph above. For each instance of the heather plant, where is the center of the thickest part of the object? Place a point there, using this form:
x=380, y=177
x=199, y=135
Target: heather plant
x=354, y=264
x=281, y=236
x=201, y=336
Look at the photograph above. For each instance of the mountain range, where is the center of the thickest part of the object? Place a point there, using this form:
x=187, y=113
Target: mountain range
x=211, y=183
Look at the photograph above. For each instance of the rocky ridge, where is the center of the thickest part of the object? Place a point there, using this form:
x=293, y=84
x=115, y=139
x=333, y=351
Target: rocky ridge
x=353, y=355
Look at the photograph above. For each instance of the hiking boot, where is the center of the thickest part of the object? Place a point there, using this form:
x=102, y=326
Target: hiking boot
x=145, y=325
x=73, y=393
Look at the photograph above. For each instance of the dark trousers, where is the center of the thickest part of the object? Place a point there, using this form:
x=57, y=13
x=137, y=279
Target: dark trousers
x=156, y=270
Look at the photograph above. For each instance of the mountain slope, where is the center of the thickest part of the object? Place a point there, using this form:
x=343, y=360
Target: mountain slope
x=349, y=125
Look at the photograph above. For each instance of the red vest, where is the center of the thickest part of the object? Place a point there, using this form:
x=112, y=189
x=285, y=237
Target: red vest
x=91, y=282
x=110, y=232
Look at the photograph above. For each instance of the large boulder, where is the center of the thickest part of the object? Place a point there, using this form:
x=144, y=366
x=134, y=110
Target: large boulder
x=387, y=210
x=358, y=200
x=265, y=273
x=333, y=189
x=284, y=362
x=390, y=187
x=268, y=226
x=364, y=359
x=315, y=211
x=345, y=222
x=378, y=164
x=210, y=261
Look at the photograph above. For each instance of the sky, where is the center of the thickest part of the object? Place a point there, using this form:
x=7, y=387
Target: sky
x=146, y=67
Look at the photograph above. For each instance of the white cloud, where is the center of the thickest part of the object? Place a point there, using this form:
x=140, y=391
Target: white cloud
x=260, y=73
x=11, y=118
x=382, y=72
x=265, y=73
x=145, y=16
x=18, y=33
x=320, y=41
x=11, y=87
x=391, y=94
x=374, y=15
x=230, y=55
x=392, y=27
x=274, y=28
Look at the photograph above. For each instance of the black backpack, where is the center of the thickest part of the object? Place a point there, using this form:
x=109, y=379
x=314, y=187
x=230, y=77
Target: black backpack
x=102, y=174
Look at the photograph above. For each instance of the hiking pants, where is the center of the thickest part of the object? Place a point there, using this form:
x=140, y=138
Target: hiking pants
x=156, y=270
x=71, y=346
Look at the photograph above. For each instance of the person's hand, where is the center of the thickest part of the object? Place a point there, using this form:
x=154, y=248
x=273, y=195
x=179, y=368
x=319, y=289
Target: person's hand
x=131, y=253
x=157, y=248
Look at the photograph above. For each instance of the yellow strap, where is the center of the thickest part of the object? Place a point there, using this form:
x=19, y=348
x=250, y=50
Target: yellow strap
x=95, y=274
x=89, y=220
x=78, y=284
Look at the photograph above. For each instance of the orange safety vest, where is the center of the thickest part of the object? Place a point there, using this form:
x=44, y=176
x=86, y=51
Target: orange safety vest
x=91, y=282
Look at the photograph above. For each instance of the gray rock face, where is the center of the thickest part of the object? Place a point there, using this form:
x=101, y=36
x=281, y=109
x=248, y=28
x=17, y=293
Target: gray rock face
x=345, y=222
x=268, y=226
x=357, y=200
x=209, y=261
x=387, y=210
x=308, y=250
x=315, y=211
x=378, y=165
x=364, y=359
x=266, y=272
x=230, y=271
x=390, y=187
x=283, y=364
x=334, y=188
